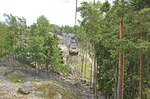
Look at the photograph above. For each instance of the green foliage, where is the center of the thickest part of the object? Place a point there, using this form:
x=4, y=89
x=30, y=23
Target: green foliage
x=67, y=29
x=35, y=49
x=56, y=29
x=61, y=29
x=106, y=6
x=4, y=45
x=33, y=44
x=43, y=26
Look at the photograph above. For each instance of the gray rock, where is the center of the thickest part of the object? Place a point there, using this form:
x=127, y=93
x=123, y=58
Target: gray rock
x=59, y=96
x=26, y=88
x=77, y=85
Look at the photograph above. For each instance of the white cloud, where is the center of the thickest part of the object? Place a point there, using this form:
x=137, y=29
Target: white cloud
x=61, y=12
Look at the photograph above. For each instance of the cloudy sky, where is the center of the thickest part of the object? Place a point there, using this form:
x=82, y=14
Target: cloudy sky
x=60, y=12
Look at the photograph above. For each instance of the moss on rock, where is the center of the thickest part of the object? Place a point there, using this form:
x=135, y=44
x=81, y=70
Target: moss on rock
x=17, y=79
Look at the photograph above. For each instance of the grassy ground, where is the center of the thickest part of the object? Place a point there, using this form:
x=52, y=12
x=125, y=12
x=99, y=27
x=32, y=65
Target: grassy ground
x=86, y=68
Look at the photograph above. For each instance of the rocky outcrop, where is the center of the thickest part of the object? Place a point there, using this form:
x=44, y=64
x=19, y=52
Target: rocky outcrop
x=26, y=88
x=23, y=81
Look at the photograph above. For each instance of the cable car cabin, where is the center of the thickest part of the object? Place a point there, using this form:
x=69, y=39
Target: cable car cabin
x=73, y=49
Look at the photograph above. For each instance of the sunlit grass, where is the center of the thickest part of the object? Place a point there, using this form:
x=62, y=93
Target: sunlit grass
x=86, y=68
x=148, y=93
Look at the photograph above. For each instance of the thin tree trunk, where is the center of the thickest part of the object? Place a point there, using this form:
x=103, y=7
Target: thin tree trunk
x=86, y=52
x=91, y=73
x=95, y=72
x=115, y=88
x=82, y=70
x=123, y=77
x=85, y=66
x=141, y=65
x=1, y=52
x=35, y=71
x=141, y=74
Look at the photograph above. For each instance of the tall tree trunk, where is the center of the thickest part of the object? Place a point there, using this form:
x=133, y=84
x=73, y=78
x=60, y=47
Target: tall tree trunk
x=76, y=11
x=95, y=67
x=141, y=64
x=120, y=86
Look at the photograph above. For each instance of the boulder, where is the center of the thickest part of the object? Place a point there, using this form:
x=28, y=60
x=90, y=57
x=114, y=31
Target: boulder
x=57, y=96
x=26, y=88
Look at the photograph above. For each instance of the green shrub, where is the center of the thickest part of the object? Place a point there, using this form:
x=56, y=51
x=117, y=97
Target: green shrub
x=65, y=69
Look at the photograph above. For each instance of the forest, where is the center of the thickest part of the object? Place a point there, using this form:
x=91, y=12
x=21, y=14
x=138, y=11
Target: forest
x=116, y=36
x=119, y=35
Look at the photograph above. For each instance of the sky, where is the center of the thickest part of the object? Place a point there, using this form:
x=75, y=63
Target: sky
x=60, y=12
